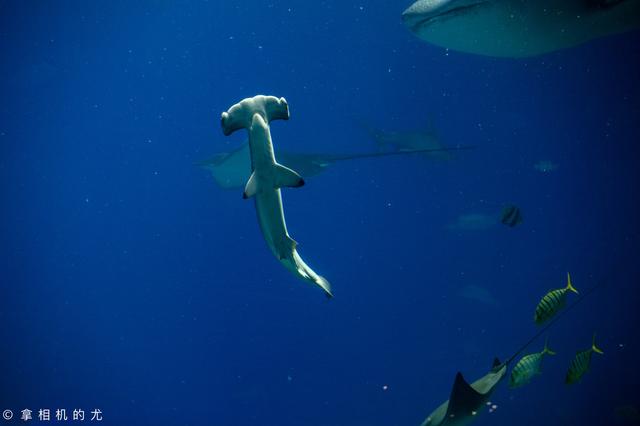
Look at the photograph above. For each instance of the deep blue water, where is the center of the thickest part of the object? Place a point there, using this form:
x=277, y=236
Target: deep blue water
x=131, y=283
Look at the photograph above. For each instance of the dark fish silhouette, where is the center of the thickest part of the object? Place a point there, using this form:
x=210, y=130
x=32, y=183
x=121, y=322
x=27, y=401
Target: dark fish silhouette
x=511, y=216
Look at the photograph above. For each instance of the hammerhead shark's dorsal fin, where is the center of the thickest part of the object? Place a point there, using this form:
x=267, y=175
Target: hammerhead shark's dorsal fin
x=464, y=399
x=285, y=177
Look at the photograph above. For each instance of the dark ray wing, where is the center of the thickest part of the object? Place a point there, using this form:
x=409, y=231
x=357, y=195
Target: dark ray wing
x=464, y=399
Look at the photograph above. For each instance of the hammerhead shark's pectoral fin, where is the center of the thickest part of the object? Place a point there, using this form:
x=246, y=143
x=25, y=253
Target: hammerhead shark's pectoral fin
x=251, y=188
x=284, y=176
x=464, y=399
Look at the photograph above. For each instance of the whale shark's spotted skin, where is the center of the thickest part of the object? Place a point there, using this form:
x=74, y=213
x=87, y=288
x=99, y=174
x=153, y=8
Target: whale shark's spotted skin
x=518, y=28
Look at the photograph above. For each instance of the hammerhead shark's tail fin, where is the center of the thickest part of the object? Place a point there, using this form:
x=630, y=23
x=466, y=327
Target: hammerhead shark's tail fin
x=309, y=274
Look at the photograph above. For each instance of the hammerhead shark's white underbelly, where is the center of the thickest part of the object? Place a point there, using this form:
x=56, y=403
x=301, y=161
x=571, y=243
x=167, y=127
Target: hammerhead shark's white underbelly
x=271, y=220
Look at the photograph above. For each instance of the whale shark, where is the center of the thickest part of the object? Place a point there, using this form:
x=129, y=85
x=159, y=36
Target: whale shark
x=266, y=179
x=232, y=169
x=518, y=28
x=466, y=400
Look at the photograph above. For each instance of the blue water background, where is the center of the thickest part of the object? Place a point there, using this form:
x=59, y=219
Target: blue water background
x=129, y=282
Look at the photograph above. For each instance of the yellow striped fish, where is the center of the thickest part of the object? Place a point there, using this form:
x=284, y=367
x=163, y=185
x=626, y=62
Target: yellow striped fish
x=580, y=364
x=552, y=302
x=528, y=367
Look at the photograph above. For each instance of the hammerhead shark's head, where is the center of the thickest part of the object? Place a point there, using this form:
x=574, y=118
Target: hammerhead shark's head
x=518, y=28
x=267, y=177
x=467, y=400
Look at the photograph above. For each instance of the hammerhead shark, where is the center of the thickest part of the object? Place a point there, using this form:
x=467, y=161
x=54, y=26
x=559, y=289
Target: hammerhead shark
x=267, y=177
x=232, y=169
x=518, y=28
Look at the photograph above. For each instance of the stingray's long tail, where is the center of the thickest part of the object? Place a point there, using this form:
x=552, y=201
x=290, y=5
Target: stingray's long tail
x=403, y=152
x=555, y=320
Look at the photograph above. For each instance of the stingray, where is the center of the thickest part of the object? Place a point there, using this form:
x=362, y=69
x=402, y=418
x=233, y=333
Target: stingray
x=232, y=169
x=410, y=141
